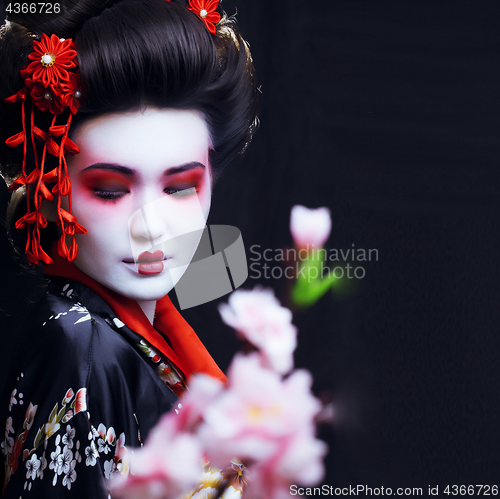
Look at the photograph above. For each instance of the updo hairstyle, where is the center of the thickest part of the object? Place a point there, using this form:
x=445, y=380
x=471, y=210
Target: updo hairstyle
x=137, y=53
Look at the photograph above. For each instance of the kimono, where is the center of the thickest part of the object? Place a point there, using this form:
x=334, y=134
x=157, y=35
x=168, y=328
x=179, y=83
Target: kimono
x=83, y=389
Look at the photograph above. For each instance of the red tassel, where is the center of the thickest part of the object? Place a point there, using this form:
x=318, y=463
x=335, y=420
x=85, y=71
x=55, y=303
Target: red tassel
x=19, y=182
x=36, y=81
x=57, y=130
x=62, y=249
x=75, y=228
x=35, y=248
x=65, y=186
x=45, y=192
x=70, y=147
x=68, y=217
x=45, y=258
x=21, y=95
x=40, y=134
x=15, y=140
x=32, y=178
x=52, y=147
x=47, y=177
x=73, y=250
x=80, y=229
x=28, y=219
x=41, y=220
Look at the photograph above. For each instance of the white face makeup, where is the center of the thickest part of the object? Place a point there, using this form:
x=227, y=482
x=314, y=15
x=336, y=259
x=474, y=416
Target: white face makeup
x=141, y=186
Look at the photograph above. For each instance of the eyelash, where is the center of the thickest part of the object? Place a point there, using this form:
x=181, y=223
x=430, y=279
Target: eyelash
x=109, y=195
x=172, y=192
x=115, y=195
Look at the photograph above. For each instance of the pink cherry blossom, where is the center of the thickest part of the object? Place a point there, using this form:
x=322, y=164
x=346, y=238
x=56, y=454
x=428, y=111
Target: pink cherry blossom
x=168, y=465
x=310, y=228
x=257, y=414
x=298, y=461
x=187, y=416
x=259, y=318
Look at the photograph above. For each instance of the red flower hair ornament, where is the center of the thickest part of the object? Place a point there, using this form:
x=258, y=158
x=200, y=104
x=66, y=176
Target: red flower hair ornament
x=52, y=84
x=206, y=10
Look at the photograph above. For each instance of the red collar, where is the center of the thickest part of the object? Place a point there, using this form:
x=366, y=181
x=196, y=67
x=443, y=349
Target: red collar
x=187, y=351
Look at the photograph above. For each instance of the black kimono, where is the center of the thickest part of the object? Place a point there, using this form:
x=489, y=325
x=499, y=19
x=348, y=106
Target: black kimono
x=83, y=388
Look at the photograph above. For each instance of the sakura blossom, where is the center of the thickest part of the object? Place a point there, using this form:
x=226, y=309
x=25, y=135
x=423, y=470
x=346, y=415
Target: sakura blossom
x=203, y=390
x=109, y=468
x=43, y=465
x=32, y=467
x=64, y=460
x=91, y=454
x=255, y=417
x=300, y=460
x=310, y=228
x=103, y=446
x=68, y=437
x=54, y=457
x=259, y=318
x=70, y=475
x=165, y=467
x=260, y=418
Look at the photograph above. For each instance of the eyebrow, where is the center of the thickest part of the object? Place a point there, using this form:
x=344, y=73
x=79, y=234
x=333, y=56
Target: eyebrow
x=125, y=170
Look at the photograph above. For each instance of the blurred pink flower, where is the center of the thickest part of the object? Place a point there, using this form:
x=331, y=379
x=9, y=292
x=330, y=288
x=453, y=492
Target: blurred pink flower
x=299, y=461
x=310, y=228
x=166, y=466
x=203, y=390
x=259, y=318
x=255, y=417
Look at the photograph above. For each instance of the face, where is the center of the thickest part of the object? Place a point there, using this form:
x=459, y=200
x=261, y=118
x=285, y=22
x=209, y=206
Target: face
x=141, y=186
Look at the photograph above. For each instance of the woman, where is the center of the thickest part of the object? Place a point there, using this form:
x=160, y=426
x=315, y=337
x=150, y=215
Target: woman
x=119, y=117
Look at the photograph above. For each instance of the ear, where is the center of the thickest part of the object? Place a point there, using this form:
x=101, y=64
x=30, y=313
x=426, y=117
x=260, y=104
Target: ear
x=49, y=209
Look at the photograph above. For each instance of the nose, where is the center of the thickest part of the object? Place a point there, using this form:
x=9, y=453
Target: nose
x=148, y=223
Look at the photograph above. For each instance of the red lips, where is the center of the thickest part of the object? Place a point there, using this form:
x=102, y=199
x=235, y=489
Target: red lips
x=146, y=257
x=150, y=263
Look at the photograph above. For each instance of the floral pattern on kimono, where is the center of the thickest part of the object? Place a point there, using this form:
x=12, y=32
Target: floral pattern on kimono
x=81, y=390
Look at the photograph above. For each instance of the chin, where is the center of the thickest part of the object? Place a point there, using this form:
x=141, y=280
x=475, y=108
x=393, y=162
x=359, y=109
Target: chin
x=145, y=292
x=139, y=287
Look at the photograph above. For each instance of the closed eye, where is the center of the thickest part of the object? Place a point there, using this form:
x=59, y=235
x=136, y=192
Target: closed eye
x=181, y=191
x=109, y=195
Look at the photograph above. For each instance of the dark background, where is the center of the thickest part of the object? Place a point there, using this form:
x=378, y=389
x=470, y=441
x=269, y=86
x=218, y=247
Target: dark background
x=387, y=112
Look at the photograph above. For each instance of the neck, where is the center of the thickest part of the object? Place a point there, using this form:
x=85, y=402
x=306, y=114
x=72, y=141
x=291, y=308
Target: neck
x=148, y=307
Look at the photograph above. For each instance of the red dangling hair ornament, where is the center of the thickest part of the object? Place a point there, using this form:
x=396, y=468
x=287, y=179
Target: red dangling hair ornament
x=51, y=84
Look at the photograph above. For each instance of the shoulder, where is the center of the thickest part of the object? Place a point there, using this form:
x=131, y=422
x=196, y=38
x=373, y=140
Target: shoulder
x=82, y=392
x=75, y=337
x=67, y=344
x=69, y=322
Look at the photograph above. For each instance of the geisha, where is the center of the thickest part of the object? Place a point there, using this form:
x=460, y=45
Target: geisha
x=116, y=119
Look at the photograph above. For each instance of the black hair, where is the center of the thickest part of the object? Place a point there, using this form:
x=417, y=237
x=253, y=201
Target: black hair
x=136, y=53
